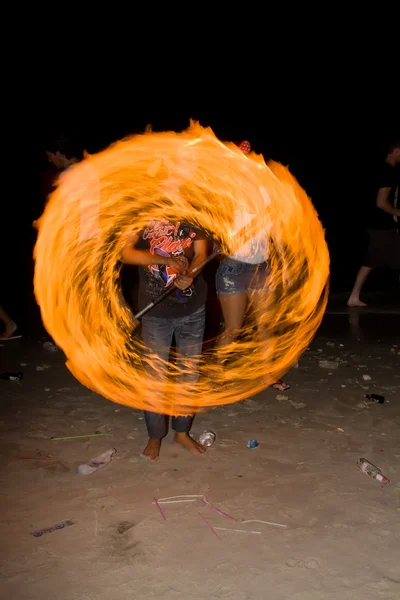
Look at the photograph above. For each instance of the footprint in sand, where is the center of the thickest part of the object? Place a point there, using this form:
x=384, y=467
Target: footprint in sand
x=124, y=526
x=309, y=563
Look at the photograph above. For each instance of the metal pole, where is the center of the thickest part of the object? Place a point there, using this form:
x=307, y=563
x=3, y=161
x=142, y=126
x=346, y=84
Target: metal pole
x=246, y=232
x=172, y=287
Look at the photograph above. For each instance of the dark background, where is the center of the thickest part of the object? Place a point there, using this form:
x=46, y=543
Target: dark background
x=333, y=137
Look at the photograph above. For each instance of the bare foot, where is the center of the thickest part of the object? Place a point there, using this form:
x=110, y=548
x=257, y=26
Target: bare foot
x=355, y=302
x=152, y=450
x=9, y=331
x=184, y=439
x=281, y=386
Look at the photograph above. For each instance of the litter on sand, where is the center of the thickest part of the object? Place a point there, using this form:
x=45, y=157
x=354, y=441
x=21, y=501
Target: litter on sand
x=220, y=512
x=237, y=530
x=182, y=496
x=62, y=525
x=33, y=458
x=159, y=508
x=205, y=502
x=265, y=522
x=176, y=501
x=207, y=523
x=73, y=437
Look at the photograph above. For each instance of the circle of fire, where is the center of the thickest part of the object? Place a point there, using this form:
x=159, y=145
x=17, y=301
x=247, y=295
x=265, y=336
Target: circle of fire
x=187, y=177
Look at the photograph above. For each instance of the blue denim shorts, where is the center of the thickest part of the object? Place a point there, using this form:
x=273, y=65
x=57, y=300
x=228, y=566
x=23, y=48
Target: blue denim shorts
x=235, y=277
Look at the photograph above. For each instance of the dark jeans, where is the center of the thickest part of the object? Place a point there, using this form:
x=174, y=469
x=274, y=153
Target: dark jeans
x=157, y=334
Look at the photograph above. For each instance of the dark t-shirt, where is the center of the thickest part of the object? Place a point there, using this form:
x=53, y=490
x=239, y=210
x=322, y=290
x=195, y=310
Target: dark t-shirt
x=169, y=239
x=389, y=178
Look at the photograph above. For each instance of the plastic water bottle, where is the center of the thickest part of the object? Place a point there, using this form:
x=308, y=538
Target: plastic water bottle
x=372, y=471
x=207, y=438
x=97, y=463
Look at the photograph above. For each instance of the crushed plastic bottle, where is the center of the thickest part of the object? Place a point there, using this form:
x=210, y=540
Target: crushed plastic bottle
x=207, y=438
x=252, y=444
x=375, y=398
x=50, y=347
x=372, y=471
x=97, y=463
x=11, y=376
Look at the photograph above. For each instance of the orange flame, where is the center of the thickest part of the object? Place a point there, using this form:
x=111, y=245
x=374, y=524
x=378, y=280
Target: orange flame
x=192, y=177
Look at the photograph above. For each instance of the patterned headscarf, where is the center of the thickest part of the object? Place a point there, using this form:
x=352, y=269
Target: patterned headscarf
x=244, y=146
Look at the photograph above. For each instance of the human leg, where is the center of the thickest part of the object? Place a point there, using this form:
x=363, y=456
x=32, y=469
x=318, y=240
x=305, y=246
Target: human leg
x=189, y=333
x=232, y=282
x=9, y=326
x=233, y=310
x=376, y=257
x=157, y=336
x=362, y=276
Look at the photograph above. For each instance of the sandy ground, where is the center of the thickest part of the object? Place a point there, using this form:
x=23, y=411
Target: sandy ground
x=342, y=529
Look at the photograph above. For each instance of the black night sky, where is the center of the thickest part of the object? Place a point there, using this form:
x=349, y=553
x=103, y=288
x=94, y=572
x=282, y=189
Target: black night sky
x=330, y=133
x=331, y=136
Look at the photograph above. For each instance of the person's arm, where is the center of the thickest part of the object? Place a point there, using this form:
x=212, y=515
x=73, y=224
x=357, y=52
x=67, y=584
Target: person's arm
x=60, y=160
x=382, y=202
x=200, y=254
x=132, y=256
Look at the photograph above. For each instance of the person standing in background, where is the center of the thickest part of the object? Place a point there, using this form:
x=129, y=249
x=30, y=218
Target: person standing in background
x=384, y=233
x=10, y=331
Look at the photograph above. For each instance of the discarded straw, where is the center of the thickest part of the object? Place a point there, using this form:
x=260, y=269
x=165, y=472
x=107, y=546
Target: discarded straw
x=214, y=532
x=265, y=522
x=237, y=530
x=159, y=508
x=33, y=458
x=224, y=514
x=73, y=437
x=182, y=496
x=176, y=501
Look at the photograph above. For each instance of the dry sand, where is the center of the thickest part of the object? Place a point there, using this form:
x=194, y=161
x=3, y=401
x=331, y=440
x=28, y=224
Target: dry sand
x=341, y=539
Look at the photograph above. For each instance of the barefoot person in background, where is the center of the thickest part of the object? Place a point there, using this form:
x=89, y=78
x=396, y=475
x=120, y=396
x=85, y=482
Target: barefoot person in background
x=165, y=252
x=384, y=235
x=10, y=328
